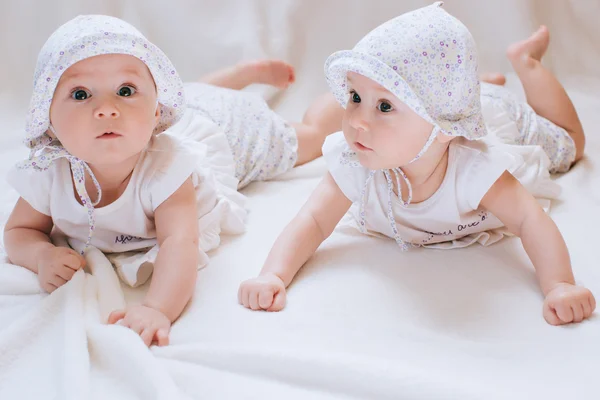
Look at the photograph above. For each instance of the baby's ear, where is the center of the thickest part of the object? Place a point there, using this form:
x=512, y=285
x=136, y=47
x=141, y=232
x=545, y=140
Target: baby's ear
x=443, y=138
x=50, y=131
x=157, y=113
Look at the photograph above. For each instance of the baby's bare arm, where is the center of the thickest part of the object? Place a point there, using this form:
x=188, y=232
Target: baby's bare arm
x=304, y=234
x=294, y=246
x=519, y=211
x=26, y=235
x=175, y=270
x=564, y=301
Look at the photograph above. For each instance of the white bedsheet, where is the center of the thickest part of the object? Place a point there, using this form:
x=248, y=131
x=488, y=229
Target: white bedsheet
x=363, y=320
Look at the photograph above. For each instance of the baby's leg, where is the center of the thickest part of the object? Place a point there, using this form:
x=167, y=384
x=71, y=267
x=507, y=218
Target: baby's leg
x=544, y=93
x=323, y=117
x=493, y=78
x=270, y=72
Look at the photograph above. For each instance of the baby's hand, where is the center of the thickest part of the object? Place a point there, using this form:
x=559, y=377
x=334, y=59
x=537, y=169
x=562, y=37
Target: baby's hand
x=265, y=292
x=568, y=303
x=152, y=325
x=57, y=265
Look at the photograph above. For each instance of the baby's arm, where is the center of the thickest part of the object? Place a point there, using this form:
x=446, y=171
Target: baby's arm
x=295, y=245
x=565, y=302
x=27, y=242
x=175, y=270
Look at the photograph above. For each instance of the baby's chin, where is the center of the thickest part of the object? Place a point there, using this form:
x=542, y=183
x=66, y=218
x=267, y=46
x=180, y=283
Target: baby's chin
x=112, y=158
x=372, y=162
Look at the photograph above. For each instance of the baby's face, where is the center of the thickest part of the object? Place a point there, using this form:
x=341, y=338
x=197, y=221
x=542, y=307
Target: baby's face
x=384, y=132
x=104, y=108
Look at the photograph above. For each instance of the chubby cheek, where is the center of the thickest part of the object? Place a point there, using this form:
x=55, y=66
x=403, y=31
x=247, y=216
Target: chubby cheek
x=142, y=120
x=79, y=145
x=140, y=141
x=349, y=137
x=143, y=130
x=386, y=145
x=348, y=130
x=66, y=121
x=73, y=136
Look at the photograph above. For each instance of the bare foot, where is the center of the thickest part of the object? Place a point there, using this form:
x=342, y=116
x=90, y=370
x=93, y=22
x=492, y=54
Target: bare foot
x=270, y=72
x=532, y=49
x=493, y=78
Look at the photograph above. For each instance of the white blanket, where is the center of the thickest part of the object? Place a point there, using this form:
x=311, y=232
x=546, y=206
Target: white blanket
x=59, y=346
x=362, y=320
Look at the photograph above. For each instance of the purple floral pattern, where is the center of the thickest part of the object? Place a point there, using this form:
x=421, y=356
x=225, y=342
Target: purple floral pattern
x=426, y=58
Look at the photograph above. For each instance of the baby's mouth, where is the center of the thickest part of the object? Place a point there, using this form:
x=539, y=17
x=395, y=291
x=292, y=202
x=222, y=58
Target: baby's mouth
x=362, y=147
x=109, y=135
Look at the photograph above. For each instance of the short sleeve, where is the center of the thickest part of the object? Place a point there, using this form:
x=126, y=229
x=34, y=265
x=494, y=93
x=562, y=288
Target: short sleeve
x=344, y=167
x=168, y=165
x=34, y=186
x=481, y=172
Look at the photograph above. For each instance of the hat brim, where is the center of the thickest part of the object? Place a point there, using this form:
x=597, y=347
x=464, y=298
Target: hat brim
x=340, y=63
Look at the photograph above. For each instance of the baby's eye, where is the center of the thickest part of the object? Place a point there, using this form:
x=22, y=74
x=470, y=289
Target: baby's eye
x=354, y=97
x=126, y=91
x=384, y=107
x=80, y=95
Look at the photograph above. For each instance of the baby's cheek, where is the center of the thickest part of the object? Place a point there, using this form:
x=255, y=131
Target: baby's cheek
x=391, y=155
x=388, y=141
x=81, y=149
x=348, y=133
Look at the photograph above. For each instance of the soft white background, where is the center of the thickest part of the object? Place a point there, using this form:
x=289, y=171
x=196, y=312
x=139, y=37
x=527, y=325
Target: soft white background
x=363, y=320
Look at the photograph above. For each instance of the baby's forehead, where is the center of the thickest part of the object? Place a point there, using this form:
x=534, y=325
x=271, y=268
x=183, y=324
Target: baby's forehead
x=107, y=64
x=356, y=80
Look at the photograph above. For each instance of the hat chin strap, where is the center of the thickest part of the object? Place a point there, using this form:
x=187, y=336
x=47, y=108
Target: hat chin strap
x=398, y=172
x=51, y=153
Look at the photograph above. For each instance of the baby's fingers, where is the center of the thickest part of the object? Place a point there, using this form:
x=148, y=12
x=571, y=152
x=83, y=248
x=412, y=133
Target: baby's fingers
x=147, y=335
x=74, y=260
x=115, y=316
x=278, y=302
x=550, y=316
x=162, y=337
x=587, y=308
x=564, y=311
x=57, y=281
x=65, y=272
x=265, y=298
x=577, y=308
x=253, y=299
x=48, y=287
x=243, y=296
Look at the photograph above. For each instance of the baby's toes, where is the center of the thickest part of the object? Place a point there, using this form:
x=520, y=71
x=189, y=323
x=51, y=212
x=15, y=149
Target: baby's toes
x=291, y=74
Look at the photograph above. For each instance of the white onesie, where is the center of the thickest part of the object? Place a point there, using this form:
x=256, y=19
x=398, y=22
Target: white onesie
x=195, y=147
x=452, y=217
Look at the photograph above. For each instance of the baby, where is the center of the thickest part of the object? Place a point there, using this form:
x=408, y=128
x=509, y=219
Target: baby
x=420, y=165
x=128, y=159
